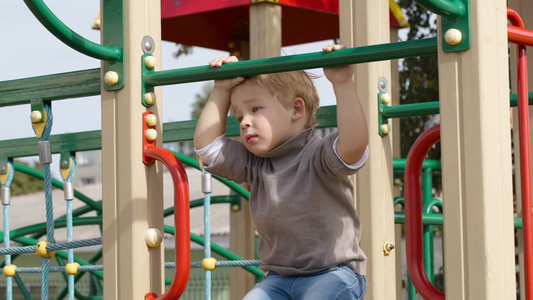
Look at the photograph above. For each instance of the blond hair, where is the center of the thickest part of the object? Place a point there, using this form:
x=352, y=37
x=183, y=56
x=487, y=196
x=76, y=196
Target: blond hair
x=287, y=86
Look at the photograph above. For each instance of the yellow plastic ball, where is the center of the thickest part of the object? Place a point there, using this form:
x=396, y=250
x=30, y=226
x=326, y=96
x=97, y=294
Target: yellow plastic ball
x=41, y=250
x=150, y=61
x=149, y=98
x=111, y=77
x=209, y=263
x=72, y=268
x=10, y=271
x=151, y=134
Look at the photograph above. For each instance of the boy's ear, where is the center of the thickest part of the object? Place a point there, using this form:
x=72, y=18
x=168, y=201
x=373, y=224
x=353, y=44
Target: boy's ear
x=298, y=108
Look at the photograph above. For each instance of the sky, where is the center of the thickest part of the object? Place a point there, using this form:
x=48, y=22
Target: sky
x=30, y=50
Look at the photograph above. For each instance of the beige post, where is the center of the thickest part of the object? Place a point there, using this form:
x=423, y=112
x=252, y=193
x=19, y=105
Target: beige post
x=367, y=23
x=265, y=41
x=525, y=9
x=476, y=160
x=132, y=193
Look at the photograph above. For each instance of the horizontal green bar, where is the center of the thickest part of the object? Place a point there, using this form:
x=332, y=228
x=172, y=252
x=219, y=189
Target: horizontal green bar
x=450, y=9
x=429, y=108
x=296, y=62
x=436, y=219
x=399, y=164
x=71, y=142
x=51, y=87
x=411, y=110
x=68, y=36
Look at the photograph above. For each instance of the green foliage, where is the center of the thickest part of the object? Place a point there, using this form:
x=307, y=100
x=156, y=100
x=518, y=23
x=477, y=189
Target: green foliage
x=25, y=184
x=201, y=100
x=418, y=75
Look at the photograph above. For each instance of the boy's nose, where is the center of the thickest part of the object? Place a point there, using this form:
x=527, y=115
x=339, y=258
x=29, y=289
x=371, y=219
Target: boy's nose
x=245, y=123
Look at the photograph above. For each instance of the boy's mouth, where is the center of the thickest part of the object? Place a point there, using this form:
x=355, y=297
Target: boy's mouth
x=250, y=138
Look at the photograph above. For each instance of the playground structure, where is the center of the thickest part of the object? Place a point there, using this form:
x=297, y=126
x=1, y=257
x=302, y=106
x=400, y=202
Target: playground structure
x=477, y=186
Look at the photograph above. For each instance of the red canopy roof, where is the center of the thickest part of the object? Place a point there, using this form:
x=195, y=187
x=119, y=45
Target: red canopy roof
x=215, y=23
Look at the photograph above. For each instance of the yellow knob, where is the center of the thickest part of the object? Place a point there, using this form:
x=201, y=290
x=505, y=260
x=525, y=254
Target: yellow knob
x=385, y=128
x=453, y=36
x=41, y=250
x=150, y=61
x=153, y=237
x=209, y=263
x=72, y=268
x=111, y=77
x=151, y=134
x=149, y=98
x=10, y=271
x=151, y=120
x=36, y=116
x=385, y=98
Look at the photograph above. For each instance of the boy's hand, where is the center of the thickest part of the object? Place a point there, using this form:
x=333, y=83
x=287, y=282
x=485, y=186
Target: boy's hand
x=225, y=84
x=339, y=74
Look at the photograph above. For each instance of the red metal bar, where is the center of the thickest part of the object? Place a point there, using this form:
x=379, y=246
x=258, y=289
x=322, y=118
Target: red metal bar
x=181, y=216
x=518, y=35
x=525, y=156
x=413, y=214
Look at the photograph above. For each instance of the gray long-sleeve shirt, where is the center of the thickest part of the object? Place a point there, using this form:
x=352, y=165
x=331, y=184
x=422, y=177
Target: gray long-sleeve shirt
x=301, y=203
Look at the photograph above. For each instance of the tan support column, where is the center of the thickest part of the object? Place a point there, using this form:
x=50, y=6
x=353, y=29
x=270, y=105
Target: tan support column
x=265, y=41
x=476, y=160
x=132, y=192
x=525, y=9
x=394, y=86
x=366, y=22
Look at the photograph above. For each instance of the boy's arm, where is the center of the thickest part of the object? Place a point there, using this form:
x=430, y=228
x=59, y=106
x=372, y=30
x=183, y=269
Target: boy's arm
x=212, y=121
x=351, y=121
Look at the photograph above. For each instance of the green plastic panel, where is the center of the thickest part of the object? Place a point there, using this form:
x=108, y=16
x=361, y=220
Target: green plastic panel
x=51, y=87
x=113, y=35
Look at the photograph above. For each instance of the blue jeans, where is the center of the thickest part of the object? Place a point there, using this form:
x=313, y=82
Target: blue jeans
x=339, y=282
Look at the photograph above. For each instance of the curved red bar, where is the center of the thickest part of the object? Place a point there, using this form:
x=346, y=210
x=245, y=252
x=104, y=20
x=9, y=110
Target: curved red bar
x=413, y=214
x=181, y=221
x=525, y=156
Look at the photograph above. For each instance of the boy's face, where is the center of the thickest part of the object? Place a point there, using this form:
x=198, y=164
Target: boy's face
x=264, y=122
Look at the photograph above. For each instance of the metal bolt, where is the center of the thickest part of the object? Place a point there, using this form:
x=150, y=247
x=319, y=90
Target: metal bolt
x=387, y=248
x=382, y=84
x=3, y=170
x=64, y=164
x=148, y=46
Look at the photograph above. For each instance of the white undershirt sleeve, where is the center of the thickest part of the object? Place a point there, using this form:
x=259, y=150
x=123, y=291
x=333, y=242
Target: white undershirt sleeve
x=357, y=164
x=209, y=153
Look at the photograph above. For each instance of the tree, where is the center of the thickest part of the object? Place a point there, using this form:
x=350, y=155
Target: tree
x=418, y=76
x=201, y=100
x=25, y=184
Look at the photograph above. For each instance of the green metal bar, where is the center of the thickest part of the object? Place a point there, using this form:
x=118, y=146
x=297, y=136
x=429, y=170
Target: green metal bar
x=68, y=36
x=450, y=9
x=50, y=87
x=296, y=62
x=22, y=287
x=436, y=219
x=21, y=232
x=410, y=110
x=429, y=108
x=399, y=164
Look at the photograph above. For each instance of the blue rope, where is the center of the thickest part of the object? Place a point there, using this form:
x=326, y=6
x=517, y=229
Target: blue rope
x=70, y=252
x=7, y=238
x=207, y=234
x=49, y=204
x=53, y=247
x=9, y=280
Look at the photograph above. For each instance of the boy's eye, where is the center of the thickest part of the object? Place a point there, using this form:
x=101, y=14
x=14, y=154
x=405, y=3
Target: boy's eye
x=239, y=119
x=256, y=109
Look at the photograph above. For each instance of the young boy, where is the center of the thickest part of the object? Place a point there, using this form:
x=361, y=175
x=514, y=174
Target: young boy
x=301, y=193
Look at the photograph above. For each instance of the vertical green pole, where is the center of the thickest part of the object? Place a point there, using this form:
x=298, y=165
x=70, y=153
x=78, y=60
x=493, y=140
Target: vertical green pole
x=427, y=186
